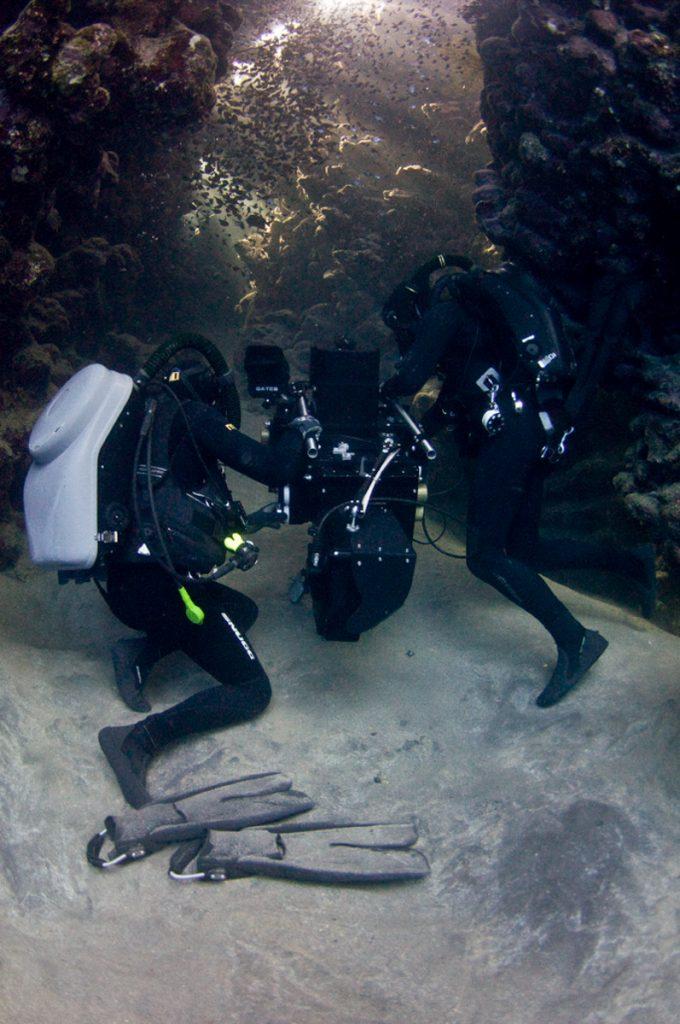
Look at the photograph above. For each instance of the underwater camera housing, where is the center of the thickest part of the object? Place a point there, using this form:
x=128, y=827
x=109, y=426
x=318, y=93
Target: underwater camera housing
x=360, y=490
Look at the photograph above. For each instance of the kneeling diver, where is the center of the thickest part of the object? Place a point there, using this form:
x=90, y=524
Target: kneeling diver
x=506, y=368
x=144, y=595
x=163, y=543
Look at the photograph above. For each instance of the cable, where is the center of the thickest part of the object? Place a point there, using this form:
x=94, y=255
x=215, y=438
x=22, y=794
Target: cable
x=168, y=563
x=192, y=437
x=440, y=494
x=135, y=491
x=426, y=531
x=433, y=542
x=326, y=516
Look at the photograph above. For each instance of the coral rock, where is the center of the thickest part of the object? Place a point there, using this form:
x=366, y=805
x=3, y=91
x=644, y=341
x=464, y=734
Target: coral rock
x=28, y=46
x=583, y=129
x=25, y=273
x=175, y=73
x=605, y=26
x=32, y=367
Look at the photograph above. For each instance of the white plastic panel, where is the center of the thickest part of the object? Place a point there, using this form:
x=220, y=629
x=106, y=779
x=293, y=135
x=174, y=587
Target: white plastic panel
x=60, y=493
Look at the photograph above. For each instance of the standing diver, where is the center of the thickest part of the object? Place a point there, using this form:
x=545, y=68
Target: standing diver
x=144, y=461
x=506, y=369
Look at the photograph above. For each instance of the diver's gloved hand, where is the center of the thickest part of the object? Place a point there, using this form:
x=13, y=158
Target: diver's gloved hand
x=271, y=515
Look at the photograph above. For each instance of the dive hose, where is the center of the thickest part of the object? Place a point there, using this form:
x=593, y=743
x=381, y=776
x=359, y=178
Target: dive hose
x=186, y=340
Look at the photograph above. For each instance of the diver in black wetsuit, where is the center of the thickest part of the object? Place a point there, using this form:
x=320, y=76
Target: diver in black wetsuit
x=144, y=595
x=484, y=385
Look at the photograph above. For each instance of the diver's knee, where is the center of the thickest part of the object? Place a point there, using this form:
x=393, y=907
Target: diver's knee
x=523, y=553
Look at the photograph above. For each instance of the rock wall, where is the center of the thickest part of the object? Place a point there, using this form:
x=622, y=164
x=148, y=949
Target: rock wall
x=580, y=101
x=93, y=97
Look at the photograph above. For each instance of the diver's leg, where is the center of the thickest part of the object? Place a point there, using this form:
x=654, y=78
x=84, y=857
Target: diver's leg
x=546, y=554
x=502, y=474
x=240, y=608
x=144, y=597
x=222, y=649
x=139, y=595
x=500, y=490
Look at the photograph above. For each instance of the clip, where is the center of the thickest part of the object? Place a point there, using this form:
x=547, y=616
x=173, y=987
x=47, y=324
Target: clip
x=192, y=611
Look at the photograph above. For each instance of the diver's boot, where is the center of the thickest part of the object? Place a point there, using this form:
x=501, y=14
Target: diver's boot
x=129, y=750
x=644, y=576
x=571, y=668
x=133, y=658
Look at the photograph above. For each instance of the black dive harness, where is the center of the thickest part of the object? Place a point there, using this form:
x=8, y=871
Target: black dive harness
x=512, y=300
x=510, y=304
x=199, y=529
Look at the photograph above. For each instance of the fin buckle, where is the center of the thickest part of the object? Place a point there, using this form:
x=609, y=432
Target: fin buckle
x=198, y=876
x=94, y=848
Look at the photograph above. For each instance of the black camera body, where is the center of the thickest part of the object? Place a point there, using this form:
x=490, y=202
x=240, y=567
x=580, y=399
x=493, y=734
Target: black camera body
x=360, y=491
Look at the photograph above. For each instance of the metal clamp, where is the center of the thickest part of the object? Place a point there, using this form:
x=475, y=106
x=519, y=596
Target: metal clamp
x=553, y=455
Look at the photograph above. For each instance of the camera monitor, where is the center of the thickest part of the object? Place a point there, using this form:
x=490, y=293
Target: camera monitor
x=346, y=390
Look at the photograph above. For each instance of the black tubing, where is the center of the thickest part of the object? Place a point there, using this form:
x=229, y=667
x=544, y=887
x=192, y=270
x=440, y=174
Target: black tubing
x=176, y=344
x=212, y=355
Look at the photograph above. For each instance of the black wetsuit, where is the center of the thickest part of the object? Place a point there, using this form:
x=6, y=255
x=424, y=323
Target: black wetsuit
x=145, y=597
x=504, y=547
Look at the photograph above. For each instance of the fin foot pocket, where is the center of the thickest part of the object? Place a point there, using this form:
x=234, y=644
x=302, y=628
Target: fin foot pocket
x=129, y=758
x=337, y=855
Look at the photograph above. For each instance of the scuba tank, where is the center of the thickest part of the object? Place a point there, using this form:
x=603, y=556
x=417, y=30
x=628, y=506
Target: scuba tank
x=100, y=483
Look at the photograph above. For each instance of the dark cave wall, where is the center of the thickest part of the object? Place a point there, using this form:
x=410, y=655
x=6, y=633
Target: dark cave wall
x=580, y=101
x=94, y=97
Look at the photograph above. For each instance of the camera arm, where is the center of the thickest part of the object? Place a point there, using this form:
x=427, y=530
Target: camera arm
x=419, y=438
